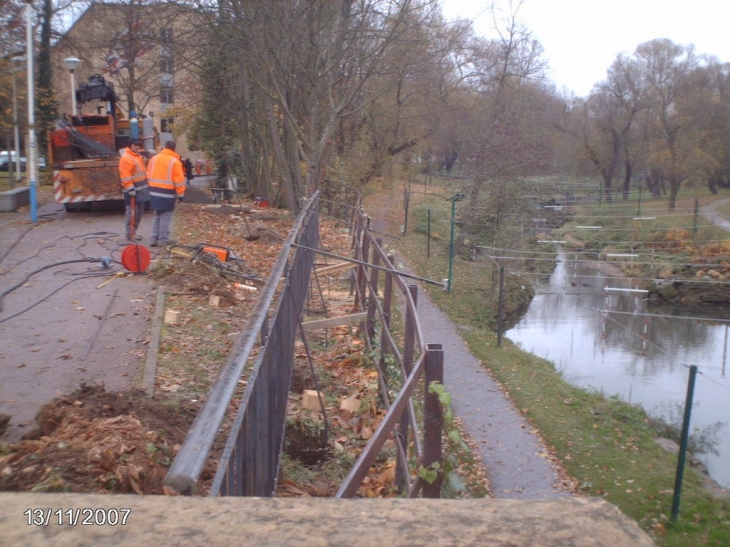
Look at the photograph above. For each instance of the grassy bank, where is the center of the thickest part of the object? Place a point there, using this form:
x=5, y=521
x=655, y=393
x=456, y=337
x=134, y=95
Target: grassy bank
x=605, y=444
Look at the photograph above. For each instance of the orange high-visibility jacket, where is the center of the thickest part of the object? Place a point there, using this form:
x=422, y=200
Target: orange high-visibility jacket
x=166, y=178
x=132, y=172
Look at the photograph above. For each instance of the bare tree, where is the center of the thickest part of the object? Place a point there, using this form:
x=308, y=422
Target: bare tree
x=132, y=42
x=310, y=61
x=610, y=112
x=666, y=68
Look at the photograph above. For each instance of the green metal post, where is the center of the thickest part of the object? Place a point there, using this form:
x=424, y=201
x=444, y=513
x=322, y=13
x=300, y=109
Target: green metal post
x=500, y=309
x=683, y=442
x=451, y=246
x=428, y=238
x=457, y=197
x=407, y=199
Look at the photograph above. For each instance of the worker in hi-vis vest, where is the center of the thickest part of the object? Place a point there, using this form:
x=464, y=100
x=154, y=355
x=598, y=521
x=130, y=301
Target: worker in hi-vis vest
x=166, y=178
x=134, y=186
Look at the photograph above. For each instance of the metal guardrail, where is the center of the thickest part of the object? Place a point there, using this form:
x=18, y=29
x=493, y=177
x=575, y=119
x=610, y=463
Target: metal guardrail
x=249, y=463
x=413, y=358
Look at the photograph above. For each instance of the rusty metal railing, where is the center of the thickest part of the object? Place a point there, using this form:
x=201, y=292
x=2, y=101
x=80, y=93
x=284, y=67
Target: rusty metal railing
x=250, y=459
x=413, y=358
x=249, y=462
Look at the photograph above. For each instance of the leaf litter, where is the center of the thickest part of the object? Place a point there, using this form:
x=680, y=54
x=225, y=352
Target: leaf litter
x=92, y=440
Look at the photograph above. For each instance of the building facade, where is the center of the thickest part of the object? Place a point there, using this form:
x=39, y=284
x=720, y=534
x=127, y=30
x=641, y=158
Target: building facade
x=145, y=52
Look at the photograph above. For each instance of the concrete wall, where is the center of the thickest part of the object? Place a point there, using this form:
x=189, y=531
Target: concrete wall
x=12, y=200
x=207, y=522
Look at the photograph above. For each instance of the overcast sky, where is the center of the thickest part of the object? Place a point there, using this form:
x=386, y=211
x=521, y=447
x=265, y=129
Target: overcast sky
x=581, y=38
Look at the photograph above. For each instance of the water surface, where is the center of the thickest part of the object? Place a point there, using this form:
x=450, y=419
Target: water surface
x=613, y=342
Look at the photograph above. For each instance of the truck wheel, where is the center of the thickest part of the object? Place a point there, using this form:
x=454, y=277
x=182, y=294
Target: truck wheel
x=76, y=207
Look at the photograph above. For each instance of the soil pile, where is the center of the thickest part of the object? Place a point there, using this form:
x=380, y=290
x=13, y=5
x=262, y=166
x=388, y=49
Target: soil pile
x=99, y=442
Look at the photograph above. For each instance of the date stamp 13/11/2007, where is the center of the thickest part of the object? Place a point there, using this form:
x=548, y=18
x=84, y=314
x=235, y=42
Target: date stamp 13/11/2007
x=44, y=516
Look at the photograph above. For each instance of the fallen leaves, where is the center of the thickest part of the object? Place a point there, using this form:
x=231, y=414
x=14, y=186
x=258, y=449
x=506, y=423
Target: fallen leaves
x=92, y=442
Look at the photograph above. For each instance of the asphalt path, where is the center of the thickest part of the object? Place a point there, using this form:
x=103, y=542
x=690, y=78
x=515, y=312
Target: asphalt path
x=515, y=458
x=65, y=317
x=711, y=214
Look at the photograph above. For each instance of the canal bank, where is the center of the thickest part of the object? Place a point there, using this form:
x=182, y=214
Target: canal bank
x=604, y=443
x=615, y=343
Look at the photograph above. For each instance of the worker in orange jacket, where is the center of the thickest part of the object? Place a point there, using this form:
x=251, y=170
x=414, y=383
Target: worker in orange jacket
x=166, y=178
x=134, y=185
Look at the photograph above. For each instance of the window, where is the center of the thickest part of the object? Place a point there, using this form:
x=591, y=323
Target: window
x=166, y=95
x=165, y=35
x=166, y=125
x=166, y=65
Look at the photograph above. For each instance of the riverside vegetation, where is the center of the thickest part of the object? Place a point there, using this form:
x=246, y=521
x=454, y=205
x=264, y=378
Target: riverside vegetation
x=605, y=444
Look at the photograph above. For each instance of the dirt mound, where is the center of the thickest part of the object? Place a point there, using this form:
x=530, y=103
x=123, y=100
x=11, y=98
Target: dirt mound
x=192, y=278
x=193, y=194
x=97, y=441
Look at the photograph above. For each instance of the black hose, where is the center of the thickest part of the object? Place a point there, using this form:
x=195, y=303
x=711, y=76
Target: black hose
x=14, y=244
x=43, y=299
x=31, y=274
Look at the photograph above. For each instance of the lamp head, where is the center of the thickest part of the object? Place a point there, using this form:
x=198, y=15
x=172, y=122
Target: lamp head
x=71, y=63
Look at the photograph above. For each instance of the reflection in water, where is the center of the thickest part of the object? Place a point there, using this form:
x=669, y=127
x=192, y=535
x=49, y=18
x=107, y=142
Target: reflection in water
x=610, y=341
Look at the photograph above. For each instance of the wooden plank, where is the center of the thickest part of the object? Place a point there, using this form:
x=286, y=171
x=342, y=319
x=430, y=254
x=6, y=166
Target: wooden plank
x=336, y=268
x=333, y=321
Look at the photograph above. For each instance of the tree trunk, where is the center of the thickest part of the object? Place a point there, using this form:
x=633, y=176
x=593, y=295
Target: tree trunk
x=281, y=160
x=628, y=170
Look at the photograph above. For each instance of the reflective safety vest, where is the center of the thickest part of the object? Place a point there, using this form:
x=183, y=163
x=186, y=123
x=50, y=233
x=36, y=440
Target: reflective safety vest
x=133, y=175
x=166, y=178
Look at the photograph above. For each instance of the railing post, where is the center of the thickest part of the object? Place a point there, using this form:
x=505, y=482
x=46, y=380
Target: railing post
x=356, y=252
x=387, y=302
x=433, y=418
x=264, y=332
x=373, y=290
x=361, y=271
x=409, y=336
x=409, y=339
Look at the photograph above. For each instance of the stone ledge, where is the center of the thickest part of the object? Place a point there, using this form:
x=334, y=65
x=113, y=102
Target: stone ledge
x=196, y=521
x=12, y=200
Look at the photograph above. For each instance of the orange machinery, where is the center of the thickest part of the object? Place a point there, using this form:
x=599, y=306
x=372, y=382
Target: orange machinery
x=84, y=151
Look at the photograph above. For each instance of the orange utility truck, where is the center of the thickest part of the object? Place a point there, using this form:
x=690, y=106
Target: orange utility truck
x=84, y=150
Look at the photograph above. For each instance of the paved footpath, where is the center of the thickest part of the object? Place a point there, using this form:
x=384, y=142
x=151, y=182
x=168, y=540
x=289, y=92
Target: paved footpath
x=515, y=459
x=711, y=214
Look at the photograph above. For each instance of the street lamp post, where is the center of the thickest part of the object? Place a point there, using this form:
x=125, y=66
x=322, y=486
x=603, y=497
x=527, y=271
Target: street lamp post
x=72, y=63
x=31, y=144
x=457, y=197
x=16, y=136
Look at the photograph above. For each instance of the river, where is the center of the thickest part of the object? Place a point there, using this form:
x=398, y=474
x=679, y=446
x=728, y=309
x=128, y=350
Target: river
x=611, y=341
